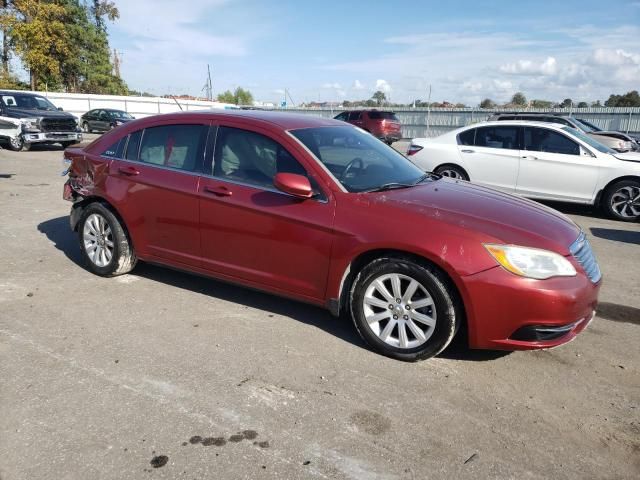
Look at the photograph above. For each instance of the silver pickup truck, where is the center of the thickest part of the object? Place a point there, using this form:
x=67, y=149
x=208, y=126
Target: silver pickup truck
x=27, y=119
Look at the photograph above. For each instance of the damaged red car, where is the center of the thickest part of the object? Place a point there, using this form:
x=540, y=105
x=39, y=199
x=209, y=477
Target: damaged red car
x=322, y=212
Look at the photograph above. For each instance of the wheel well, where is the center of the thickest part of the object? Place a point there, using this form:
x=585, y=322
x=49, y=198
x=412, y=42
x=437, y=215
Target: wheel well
x=82, y=204
x=613, y=182
x=452, y=165
x=358, y=263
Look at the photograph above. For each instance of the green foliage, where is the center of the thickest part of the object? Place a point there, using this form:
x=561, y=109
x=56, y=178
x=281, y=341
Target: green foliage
x=596, y=104
x=519, y=99
x=541, y=104
x=583, y=105
x=239, y=97
x=487, y=103
x=64, y=44
x=629, y=99
x=379, y=97
x=11, y=82
x=566, y=103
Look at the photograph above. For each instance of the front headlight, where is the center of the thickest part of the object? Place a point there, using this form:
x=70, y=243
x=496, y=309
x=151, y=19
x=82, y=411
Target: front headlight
x=31, y=124
x=531, y=262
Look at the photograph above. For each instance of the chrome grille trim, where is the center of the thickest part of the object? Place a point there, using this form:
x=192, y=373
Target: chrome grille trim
x=582, y=252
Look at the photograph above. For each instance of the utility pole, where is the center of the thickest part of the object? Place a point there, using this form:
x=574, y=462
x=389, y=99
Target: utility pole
x=428, y=109
x=208, y=86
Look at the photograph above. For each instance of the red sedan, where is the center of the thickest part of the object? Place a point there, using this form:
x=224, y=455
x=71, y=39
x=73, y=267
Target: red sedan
x=320, y=211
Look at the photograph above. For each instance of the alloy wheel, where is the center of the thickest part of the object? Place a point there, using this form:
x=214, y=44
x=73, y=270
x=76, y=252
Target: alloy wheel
x=399, y=310
x=626, y=202
x=451, y=173
x=98, y=240
x=16, y=143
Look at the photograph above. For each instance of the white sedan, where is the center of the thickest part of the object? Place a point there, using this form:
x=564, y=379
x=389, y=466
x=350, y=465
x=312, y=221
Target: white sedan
x=536, y=160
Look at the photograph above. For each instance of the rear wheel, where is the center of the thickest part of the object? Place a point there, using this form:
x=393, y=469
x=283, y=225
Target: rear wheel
x=403, y=309
x=85, y=127
x=452, y=171
x=104, y=244
x=67, y=144
x=622, y=200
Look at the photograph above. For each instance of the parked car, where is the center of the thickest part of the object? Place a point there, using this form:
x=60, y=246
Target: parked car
x=27, y=119
x=612, y=140
x=538, y=160
x=595, y=130
x=381, y=124
x=103, y=119
x=322, y=212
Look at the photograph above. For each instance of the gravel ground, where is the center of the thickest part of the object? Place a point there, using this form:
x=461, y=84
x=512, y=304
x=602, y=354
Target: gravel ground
x=160, y=374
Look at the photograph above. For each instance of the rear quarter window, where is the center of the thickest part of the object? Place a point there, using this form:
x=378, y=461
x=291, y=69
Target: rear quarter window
x=467, y=138
x=383, y=116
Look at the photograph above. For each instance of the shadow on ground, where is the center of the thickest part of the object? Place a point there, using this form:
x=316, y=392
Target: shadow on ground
x=57, y=230
x=624, y=236
x=619, y=313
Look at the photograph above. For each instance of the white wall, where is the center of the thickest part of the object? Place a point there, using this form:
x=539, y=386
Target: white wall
x=79, y=103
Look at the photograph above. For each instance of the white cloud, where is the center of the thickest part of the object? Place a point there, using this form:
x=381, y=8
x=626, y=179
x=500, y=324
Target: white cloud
x=334, y=86
x=358, y=85
x=528, y=67
x=383, y=86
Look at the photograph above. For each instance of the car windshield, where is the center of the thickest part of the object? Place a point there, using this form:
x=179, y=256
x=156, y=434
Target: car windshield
x=28, y=102
x=120, y=114
x=588, y=140
x=383, y=115
x=359, y=161
x=589, y=124
x=585, y=126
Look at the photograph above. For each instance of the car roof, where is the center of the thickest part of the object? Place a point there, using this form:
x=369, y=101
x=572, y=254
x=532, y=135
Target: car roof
x=504, y=123
x=286, y=121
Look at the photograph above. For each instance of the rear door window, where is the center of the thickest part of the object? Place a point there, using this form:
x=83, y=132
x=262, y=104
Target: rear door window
x=497, y=137
x=133, y=145
x=174, y=146
x=383, y=116
x=343, y=116
x=546, y=140
x=355, y=116
x=467, y=138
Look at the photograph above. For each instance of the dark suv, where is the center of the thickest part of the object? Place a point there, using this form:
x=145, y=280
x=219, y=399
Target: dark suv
x=381, y=124
x=615, y=140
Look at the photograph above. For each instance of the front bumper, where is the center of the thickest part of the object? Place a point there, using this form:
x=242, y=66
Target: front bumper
x=508, y=312
x=51, y=137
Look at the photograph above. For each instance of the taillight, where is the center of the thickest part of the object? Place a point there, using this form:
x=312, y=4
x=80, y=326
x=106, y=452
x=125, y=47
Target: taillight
x=413, y=149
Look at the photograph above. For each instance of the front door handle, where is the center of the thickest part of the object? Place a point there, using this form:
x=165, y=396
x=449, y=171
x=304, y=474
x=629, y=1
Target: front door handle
x=467, y=151
x=531, y=157
x=131, y=171
x=220, y=191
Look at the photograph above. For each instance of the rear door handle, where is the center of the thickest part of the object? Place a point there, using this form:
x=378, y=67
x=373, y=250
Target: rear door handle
x=220, y=191
x=468, y=151
x=530, y=157
x=131, y=171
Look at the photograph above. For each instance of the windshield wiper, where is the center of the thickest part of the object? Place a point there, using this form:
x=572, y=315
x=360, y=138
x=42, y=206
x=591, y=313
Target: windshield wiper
x=397, y=185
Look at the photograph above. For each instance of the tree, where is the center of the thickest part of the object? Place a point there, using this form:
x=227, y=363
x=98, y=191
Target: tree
x=583, y=105
x=596, y=104
x=226, y=97
x=566, y=103
x=5, y=42
x=243, y=97
x=37, y=33
x=101, y=9
x=379, y=97
x=519, y=99
x=629, y=99
x=541, y=104
x=487, y=103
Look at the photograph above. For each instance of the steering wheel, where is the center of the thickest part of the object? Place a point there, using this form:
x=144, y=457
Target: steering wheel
x=350, y=166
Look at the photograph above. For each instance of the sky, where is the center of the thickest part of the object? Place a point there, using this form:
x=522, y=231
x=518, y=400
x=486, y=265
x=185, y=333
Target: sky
x=335, y=50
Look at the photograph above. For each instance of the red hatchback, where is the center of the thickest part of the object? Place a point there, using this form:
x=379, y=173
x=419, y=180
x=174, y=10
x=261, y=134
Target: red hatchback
x=319, y=211
x=381, y=124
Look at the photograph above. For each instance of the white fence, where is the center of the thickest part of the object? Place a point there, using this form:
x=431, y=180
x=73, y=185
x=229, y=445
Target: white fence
x=79, y=103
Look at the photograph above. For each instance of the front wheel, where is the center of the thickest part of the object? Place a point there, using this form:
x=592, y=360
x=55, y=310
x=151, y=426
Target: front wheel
x=16, y=143
x=403, y=310
x=104, y=244
x=622, y=200
x=452, y=171
x=86, y=128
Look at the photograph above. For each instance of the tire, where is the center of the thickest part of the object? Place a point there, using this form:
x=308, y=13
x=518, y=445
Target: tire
x=438, y=309
x=16, y=144
x=67, y=144
x=85, y=128
x=452, y=171
x=99, y=229
x=621, y=200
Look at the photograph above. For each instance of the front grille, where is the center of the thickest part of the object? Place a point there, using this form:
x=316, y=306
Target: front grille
x=582, y=252
x=58, y=125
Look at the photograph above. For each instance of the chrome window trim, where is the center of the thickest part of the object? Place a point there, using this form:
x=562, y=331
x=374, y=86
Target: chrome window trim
x=161, y=167
x=322, y=165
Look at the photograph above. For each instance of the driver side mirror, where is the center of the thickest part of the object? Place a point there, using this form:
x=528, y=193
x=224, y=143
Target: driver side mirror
x=293, y=184
x=60, y=109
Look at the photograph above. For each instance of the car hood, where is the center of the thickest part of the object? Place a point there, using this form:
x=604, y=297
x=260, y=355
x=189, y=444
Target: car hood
x=628, y=156
x=27, y=113
x=486, y=214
